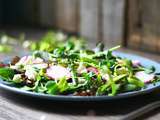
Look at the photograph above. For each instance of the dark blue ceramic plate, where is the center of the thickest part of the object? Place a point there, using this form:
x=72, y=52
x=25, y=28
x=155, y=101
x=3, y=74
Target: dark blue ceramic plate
x=145, y=62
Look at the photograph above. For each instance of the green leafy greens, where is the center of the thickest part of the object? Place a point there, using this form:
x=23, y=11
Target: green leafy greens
x=68, y=68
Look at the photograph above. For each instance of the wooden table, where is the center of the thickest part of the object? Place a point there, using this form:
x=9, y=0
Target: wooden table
x=17, y=107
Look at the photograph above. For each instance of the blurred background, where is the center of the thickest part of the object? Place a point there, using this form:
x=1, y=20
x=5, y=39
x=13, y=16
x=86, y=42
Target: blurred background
x=132, y=23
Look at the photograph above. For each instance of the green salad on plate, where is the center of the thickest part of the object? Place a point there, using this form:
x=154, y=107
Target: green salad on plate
x=78, y=72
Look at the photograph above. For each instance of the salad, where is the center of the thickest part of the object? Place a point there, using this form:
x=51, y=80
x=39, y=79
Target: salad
x=77, y=72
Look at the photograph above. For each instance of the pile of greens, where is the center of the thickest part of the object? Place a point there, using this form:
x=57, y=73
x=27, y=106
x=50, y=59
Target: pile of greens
x=53, y=40
x=71, y=70
x=48, y=42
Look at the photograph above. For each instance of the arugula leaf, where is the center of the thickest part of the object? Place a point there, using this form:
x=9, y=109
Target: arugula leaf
x=74, y=74
x=115, y=88
x=99, y=47
x=102, y=89
x=111, y=83
x=69, y=46
x=150, y=70
x=147, y=70
x=63, y=85
x=117, y=78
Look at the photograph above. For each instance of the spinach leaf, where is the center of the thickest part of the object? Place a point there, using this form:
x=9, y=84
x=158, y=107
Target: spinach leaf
x=129, y=87
x=52, y=87
x=7, y=73
x=136, y=82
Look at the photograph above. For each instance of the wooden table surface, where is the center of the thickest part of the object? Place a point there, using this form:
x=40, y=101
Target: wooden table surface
x=17, y=107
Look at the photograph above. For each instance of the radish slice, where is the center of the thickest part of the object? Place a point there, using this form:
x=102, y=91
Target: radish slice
x=144, y=77
x=29, y=60
x=24, y=60
x=37, y=61
x=92, y=69
x=57, y=72
x=135, y=63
